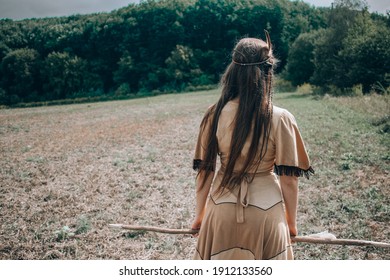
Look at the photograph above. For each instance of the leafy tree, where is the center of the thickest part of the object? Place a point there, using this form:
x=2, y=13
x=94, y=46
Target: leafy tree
x=20, y=77
x=182, y=68
x=124, y=73
x=302, y=18
x=4, y=50
x=328, y=61
x=63, y=75
x=300, y=67
x=353, y=50
x=366, y=48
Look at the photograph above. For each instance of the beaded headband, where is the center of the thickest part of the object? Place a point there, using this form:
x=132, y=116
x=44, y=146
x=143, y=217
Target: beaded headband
x=250, y=64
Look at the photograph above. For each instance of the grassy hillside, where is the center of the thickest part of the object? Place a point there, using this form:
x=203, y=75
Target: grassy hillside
x=68, y=171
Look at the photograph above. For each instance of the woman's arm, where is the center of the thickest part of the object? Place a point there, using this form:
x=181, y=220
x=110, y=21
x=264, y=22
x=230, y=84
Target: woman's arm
x=201, y=197
x=289, y=185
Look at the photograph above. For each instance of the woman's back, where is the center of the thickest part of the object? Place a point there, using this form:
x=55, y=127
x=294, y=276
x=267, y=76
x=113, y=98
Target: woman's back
x=250, y=212
x=278, y=152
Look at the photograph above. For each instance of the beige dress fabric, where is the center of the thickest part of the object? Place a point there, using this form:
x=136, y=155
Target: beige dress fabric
x=249, y=222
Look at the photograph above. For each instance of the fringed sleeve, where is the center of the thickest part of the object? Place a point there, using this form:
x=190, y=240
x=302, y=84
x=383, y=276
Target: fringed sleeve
x=202, y=143
x=291, y=155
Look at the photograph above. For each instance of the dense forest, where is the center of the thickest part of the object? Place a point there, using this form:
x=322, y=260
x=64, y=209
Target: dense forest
x=180, y=45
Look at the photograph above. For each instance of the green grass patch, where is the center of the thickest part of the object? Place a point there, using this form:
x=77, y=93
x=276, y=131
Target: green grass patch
x=349, y=194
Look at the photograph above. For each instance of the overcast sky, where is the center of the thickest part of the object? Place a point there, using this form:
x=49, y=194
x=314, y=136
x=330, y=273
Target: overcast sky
x=20, y=9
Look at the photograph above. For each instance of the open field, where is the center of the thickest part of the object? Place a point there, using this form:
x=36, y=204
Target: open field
x=68, y=171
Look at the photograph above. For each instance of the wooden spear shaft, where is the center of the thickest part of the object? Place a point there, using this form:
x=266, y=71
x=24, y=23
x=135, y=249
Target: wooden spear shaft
x=155, y=229
x=300, y=239
x=337, y=241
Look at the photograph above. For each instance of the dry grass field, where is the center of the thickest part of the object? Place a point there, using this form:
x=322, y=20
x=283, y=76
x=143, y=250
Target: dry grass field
x=66, y=172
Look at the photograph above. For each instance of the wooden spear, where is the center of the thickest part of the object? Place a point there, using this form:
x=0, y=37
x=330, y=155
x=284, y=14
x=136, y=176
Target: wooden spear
x=321, y=238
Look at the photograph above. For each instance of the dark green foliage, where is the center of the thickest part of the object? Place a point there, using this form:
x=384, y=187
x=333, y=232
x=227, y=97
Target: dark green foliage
x=353, y=50
x=63, y=75
x=300, y=67
x=165, y=46
x=19, y=73
x=366, y=48
x=154, y=46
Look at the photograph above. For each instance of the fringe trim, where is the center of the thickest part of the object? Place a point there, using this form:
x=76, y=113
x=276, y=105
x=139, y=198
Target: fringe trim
x=293, y=171
x=198, y=163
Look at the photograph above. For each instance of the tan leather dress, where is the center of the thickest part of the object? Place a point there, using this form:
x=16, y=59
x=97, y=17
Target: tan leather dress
x=249, y=222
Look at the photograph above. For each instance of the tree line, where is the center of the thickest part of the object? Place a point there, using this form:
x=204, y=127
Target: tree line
x=177, y=45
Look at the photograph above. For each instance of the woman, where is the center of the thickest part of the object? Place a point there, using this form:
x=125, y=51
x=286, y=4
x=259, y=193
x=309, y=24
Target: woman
x=250, y=213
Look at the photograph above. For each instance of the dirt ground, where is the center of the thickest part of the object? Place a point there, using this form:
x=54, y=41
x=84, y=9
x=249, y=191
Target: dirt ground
x=69, y=171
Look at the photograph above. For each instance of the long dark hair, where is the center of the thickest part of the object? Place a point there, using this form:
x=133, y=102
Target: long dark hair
x=249, y=77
